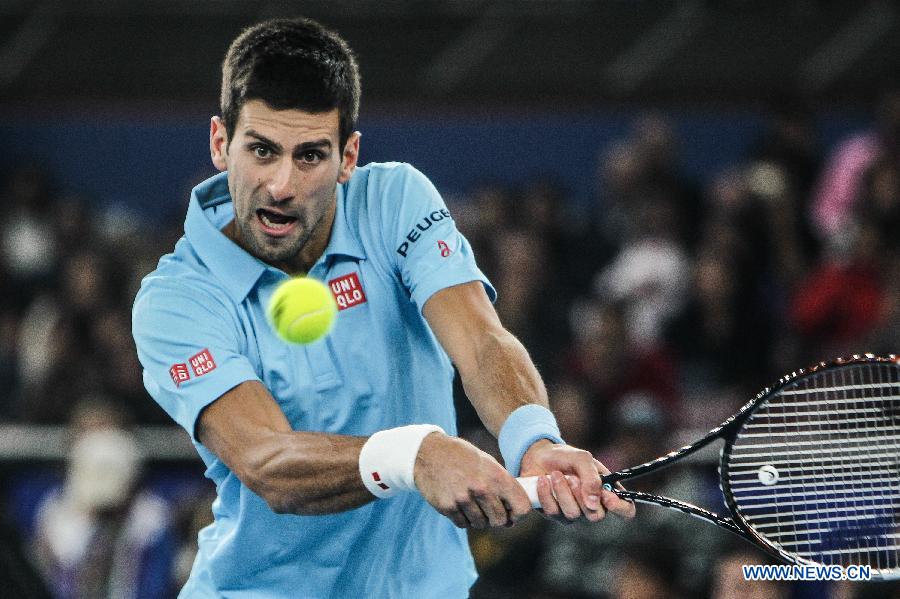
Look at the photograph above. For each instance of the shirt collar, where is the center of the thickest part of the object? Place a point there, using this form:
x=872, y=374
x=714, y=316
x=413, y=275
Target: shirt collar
x=343, y=241
x=210, y=209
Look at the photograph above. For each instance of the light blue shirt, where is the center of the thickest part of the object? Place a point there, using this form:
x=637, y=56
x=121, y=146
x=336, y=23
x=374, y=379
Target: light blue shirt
x=200, y=327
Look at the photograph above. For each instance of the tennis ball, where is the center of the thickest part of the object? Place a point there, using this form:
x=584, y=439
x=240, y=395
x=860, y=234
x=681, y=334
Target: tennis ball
x=302, y=310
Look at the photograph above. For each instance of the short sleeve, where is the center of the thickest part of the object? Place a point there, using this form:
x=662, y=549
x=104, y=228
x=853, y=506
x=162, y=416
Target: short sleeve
x=188, y=343
x=428, y=250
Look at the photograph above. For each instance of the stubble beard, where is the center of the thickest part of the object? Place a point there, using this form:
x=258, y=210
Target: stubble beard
x=270, y=249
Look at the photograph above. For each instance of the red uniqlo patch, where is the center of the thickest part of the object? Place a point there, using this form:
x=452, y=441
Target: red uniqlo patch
x=347, y=291
x=202, y=363
x=179, y=373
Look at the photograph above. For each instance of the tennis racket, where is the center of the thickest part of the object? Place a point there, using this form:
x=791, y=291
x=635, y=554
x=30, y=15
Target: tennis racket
x=810, y=469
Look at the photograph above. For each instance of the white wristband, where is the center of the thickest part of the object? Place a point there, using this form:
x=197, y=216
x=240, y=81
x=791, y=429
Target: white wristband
x=388, y=459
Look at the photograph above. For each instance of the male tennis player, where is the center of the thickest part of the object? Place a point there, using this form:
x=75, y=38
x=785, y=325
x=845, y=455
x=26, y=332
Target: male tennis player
x=336, y=465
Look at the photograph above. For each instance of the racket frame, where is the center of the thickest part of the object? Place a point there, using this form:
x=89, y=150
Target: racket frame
x=738, y=420
x=727, y=431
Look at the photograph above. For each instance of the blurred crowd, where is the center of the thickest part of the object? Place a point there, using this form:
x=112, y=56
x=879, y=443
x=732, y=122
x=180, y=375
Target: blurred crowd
x=652, y=313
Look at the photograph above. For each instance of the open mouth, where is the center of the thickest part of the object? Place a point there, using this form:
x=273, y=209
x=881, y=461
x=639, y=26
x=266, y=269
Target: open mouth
x=275, y=222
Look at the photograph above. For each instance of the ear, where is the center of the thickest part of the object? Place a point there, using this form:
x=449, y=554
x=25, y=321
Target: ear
x=218, y=143
x=349, y=158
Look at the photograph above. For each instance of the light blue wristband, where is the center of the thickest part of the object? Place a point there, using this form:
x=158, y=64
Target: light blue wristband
x=524, y=426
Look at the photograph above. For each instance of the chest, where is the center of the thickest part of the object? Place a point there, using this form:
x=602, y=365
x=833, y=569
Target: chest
x=339, y=383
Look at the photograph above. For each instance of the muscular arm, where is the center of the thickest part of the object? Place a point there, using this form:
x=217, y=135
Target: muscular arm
x=318, y=473
x=498, y=377
x=294, y=472
x=496, y=371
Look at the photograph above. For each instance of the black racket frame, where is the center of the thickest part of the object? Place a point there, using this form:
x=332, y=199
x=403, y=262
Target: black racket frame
x=727, y=431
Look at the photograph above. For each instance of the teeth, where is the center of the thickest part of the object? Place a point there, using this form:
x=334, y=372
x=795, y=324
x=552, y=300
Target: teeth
x=268, y=223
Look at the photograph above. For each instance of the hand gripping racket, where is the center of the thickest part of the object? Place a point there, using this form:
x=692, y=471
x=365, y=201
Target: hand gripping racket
x=810, y=469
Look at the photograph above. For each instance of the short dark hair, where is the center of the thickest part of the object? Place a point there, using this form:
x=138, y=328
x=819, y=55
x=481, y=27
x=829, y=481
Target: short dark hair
x=291, y=64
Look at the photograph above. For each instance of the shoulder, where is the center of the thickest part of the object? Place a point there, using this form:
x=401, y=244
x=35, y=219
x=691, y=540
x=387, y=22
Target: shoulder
x=390, y=194
x=381, y=173
x=380, y=184
x=181, y=272
x=178, y=290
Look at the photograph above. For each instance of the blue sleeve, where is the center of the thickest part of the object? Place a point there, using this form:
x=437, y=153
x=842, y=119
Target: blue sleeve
x=428, y=250
x=189, y=344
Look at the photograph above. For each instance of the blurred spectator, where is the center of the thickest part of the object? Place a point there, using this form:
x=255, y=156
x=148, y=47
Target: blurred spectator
x=484, y=213
x=76, y=337
x=639, y=431
x=100, y=535
x=842, y=301
x=192, y=514
x=649, y=275
x=790, y=143
x=529, y=299
x=658, y=144
x=839, y=187
x=28, y=248
x=879, y=206
x=609, y=367
x=720, y=333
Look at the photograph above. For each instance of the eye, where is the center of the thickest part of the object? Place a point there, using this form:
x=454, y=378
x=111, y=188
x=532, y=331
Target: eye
x=260, y=151
x=312, y=156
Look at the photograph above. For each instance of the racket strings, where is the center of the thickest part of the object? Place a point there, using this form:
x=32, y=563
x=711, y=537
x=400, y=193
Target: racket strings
x=815, y=469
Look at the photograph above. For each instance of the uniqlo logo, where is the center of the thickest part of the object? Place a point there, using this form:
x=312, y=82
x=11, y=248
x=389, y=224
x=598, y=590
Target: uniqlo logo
x=347, y=291
x=179, y=373
x=202, y=363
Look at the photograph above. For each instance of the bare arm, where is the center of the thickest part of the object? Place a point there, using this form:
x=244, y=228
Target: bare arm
x=318, y=473
x=498, y=377
x=496, y=371
x=294, y=472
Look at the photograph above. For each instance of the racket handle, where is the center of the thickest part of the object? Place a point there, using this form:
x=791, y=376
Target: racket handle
x=529, y=483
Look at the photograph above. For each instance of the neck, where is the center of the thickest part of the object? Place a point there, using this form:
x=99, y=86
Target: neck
x=314, y=247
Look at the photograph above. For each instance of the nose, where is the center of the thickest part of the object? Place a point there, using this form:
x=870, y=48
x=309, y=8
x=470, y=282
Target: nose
x=281, y=185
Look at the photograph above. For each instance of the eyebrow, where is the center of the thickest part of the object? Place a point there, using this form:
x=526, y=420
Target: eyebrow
x=323, y=143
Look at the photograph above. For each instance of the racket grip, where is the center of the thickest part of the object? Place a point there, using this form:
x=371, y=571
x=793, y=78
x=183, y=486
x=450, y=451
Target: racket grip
x=529, y=483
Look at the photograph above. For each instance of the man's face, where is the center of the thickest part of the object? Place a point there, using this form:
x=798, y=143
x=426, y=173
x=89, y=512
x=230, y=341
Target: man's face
x=283, y=166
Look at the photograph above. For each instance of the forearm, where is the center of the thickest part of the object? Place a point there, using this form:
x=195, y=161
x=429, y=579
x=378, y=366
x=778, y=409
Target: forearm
x=501, y=378
x=294, y=472
x=307, y=473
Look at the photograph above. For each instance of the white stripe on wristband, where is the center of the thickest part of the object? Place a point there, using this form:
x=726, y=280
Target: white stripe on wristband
x=387, y=460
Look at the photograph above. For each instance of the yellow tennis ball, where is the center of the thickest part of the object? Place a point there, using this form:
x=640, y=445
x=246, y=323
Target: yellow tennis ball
x=302, y=310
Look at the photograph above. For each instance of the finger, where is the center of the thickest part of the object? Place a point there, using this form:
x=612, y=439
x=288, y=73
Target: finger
x=549, y=506
x=591, y=514
x=587, y=471
x=545, y=494
x=458, y=518
x=603, y=470
x=473, y=514
x=516, y=500
x=617, y=505
x=622, y=507
x=564, y=497
x=493, y=508
x=511, y=518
